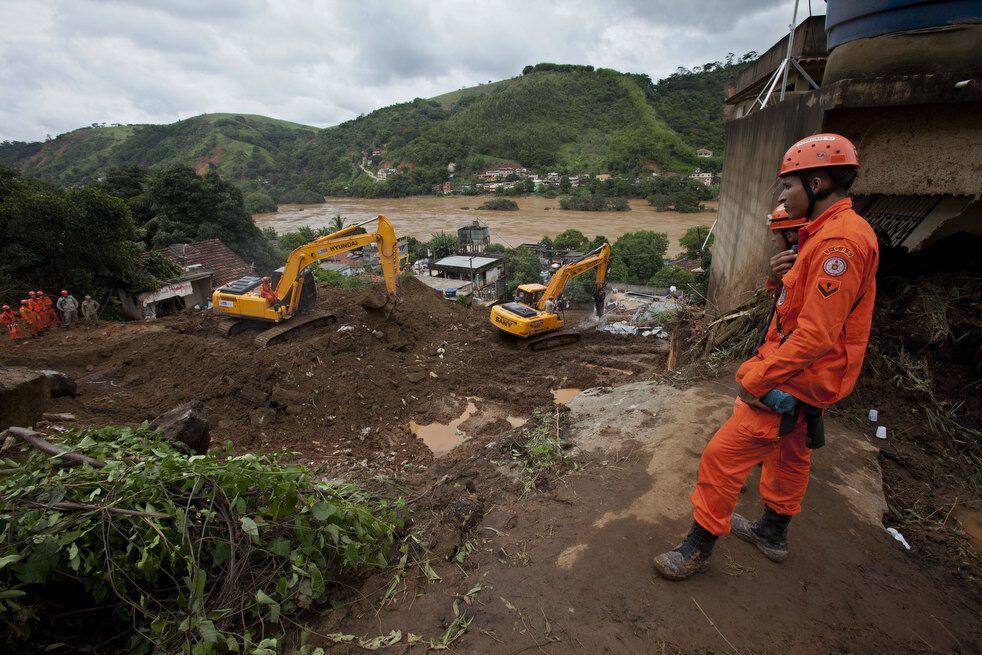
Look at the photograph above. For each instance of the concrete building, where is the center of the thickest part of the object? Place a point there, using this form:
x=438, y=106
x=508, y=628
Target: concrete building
x=902, y=84
x=473, y=239
x=482, y=277
x=704, y=152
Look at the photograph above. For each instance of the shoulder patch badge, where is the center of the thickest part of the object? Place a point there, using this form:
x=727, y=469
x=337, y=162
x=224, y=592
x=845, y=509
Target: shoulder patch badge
x=835, y=266
x=839, y=250
x=828, y=287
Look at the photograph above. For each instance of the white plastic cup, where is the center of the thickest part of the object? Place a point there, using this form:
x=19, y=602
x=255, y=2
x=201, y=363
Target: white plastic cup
x=881, y=432
x=873, y=415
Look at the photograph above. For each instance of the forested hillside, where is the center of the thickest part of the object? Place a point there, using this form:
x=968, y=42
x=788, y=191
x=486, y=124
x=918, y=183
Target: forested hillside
x=554, y=117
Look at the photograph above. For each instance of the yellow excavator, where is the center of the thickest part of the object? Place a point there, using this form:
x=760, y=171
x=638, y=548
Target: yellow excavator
x=533, y=318
x=242, y=306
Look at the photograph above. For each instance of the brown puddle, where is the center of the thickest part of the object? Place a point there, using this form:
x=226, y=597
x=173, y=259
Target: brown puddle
x=516, y=422
x=441, y=438
x=563, y=396
x=609, y=369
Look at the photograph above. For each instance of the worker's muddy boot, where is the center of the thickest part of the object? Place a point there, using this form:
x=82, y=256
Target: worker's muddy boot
x=689, y=557
x=769, y=534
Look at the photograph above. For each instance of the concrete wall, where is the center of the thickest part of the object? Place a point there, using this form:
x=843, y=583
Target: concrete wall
x=754, y=146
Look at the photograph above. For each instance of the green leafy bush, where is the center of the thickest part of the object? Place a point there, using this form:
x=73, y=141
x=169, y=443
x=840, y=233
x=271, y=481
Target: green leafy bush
x=171, y=553
x=335, y=279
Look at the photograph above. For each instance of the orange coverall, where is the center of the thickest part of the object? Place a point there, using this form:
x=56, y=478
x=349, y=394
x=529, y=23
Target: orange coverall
x=50, y=317
x=9, y=319
x=37, y=308
x=813, y=350
x=27, y=315
x=267, y=292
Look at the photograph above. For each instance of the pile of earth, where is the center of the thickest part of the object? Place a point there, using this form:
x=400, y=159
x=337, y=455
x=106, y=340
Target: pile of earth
x=343, y=396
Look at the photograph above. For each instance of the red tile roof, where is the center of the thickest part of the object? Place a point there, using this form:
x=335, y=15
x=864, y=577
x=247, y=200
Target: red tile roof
x=212, y=255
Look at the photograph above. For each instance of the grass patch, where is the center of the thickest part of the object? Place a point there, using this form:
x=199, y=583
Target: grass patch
x=335, y=279
x=541, y=447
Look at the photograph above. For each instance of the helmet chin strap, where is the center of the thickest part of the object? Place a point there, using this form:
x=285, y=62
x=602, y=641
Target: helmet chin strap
x=814, y=197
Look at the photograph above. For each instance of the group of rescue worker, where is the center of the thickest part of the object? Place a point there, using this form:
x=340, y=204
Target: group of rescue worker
x=38, y=313
x=823, y=281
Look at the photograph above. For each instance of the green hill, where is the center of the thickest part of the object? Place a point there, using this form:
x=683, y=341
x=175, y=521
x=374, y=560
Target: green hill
x=566, y=118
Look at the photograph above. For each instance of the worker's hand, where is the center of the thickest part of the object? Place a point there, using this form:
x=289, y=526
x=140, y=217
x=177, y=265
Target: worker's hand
x=751, y=399
x=781, y=263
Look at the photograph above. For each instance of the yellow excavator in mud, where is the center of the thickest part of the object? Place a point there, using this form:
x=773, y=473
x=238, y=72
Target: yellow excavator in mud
x=243, y=307
x=534, y=319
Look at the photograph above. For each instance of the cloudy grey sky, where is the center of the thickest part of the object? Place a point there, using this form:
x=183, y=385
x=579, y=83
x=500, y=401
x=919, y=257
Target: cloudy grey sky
x=65, y=64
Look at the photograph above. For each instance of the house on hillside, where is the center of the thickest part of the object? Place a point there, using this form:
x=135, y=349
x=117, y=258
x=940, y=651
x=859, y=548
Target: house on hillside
x=206, y=265
x=704, y=152
x=703, y=177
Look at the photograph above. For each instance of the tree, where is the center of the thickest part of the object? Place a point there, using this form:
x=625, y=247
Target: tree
x=521, y=267
x=693, y=239
x=565, y=186
x=442, y=245
x=337, y=223
x=82, y=239
x=668, y=276
x=570, y=240
x=638, y=255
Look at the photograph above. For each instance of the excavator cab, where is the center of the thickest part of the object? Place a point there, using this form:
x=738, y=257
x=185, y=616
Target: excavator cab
x=529, y=294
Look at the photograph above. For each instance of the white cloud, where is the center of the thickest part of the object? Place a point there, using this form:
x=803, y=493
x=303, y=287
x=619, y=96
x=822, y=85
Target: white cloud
x=68, y=63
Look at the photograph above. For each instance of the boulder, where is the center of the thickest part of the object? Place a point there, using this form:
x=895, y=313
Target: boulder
x=23, y=396
x=187, y=423
x=373, y=298
x=59, y=383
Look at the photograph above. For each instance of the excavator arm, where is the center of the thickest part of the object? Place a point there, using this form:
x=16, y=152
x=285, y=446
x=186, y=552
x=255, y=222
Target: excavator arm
x=335, y=243
x=596, y=259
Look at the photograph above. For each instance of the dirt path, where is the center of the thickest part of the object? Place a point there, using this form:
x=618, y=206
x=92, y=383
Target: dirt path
x=568, y=571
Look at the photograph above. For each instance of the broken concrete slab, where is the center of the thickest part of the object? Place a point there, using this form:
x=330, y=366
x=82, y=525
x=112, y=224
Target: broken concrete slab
x=186, y=423
x=23, y=396
x=58, y=417
x=60, y=384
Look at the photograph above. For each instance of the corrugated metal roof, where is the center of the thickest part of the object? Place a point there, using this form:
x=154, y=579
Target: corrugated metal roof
x=459, y=261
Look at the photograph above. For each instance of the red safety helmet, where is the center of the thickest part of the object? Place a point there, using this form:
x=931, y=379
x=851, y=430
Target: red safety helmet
x=64, y=293
x=23, y=302
x=779, y=219
x=30, y=293
x=265, y=279
x=6, y=307
x=819, y=151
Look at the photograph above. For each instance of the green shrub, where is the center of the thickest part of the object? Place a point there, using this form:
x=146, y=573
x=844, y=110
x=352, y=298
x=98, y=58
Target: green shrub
x=500, y=204
x=174, y=554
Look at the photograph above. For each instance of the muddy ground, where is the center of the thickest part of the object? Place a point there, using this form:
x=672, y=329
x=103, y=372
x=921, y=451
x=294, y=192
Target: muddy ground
x=502, y=561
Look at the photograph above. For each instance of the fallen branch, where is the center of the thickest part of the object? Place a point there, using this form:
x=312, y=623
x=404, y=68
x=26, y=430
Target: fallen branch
x=66, y=505
x=37, y=440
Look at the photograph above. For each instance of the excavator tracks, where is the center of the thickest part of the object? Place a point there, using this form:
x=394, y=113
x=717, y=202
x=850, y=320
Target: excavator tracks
x=282, y=332
x=551, y=340
x=229, y=327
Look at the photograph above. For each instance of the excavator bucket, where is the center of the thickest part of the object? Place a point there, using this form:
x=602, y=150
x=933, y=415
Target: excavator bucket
x=374, y=298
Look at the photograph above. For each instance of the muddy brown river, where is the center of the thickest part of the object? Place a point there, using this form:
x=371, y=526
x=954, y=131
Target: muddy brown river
x=422, y=216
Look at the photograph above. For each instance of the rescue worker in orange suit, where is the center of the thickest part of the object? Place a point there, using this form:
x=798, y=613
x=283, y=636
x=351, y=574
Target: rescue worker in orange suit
x=37, y=309
x=50, y=317
x=9, y=320
x=27, y=315
x=266, y=291
x=811, y=355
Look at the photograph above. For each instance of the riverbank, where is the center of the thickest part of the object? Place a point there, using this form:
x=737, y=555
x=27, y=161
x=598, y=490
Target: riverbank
x=422, y=216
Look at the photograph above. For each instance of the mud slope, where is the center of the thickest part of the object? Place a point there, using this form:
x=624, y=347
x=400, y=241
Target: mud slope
x=341, y=395
x=569, y=571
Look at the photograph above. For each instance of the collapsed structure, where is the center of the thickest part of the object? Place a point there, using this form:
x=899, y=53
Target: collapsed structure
x=900, y=83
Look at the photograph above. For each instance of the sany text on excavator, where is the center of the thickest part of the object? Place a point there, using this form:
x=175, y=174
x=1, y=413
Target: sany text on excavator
x=534, y=318
x=296, y=292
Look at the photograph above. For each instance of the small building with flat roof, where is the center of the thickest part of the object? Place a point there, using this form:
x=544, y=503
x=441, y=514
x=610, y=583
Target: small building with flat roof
x=485, y=273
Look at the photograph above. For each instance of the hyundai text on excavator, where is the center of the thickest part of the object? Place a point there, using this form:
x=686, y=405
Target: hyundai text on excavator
x=539, y=328
x=296, y=292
